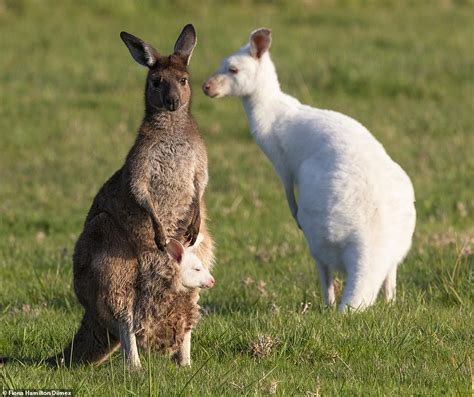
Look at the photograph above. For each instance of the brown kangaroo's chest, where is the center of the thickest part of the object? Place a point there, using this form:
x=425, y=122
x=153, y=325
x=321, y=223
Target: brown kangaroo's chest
x=172, y=184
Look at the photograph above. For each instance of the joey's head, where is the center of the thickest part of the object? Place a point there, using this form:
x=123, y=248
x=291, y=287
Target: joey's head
x=167, y=84
x=239, y=73
x=192, y=272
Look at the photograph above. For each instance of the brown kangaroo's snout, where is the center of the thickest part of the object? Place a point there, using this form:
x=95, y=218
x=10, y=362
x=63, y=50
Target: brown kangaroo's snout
x=168, y=85
x=172, y=102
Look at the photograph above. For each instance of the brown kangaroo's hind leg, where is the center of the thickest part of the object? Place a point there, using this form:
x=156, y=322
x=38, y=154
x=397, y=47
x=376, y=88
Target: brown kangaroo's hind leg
x=92, y=344
x=104, y=277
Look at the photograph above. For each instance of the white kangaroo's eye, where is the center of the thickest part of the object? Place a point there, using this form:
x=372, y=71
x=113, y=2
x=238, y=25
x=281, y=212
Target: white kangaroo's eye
x=233, y=70
x=197, y=269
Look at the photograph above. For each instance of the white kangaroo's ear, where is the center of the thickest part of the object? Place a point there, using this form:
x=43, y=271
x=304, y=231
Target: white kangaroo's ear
x=175, y=250
x=186, y=42
x=260, y=41
x=143, y=53
x=197, y=242
x=199, y=239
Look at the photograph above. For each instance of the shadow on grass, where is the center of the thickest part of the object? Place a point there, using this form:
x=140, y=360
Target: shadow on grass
x=23, y=361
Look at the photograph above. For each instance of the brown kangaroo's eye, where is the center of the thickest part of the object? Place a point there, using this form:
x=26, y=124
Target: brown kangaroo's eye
x=183, y=81
x=233, y=70
x=156, y=83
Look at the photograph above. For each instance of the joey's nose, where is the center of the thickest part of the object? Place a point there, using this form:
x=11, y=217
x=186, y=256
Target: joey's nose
x=206, y=87
x=211, y=282
x=172, y=103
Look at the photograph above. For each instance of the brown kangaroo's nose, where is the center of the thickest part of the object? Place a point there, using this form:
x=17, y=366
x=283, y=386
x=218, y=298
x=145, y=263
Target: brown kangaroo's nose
x=172, y=103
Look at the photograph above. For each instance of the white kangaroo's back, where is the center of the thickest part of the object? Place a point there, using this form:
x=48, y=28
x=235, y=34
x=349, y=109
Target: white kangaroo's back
x=355, y=204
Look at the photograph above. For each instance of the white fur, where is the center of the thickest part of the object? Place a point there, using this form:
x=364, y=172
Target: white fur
x=192, y=272
x=185, y=351
x=355, y=204
x=150, y=58
x=128, y=343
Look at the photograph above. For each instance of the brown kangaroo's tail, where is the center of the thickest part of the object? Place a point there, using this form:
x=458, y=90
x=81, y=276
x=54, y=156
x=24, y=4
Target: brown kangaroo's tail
x=92, y=344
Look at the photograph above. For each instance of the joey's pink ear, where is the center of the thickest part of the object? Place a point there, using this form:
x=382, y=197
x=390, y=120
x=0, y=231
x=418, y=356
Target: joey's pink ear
x=260, y=41
x=175, y=250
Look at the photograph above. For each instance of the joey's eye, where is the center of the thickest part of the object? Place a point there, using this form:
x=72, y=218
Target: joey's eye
x=233, y=70
x=183, y=81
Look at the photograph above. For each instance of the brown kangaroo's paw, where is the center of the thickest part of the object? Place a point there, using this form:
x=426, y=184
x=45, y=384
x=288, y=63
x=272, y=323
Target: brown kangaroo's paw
x=193, y=229
x=160, y=238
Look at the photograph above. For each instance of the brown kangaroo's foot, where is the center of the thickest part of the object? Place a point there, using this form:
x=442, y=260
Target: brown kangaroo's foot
x=92, y=344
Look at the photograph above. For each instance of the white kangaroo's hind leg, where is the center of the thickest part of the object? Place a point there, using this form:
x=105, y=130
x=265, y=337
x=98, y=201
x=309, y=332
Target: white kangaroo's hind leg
x=327, y=283
x=325, y=271
x=390, y=285
x=358, y=294
x=364, y=280
x=129, y=346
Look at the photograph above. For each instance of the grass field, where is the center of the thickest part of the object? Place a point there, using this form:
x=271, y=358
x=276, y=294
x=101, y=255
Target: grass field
x=71, y=101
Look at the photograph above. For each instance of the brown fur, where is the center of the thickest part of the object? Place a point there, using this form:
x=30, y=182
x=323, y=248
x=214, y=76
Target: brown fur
x=120, y=274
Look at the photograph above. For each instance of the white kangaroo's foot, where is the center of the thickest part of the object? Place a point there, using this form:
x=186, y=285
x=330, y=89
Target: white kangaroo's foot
x=390, y=285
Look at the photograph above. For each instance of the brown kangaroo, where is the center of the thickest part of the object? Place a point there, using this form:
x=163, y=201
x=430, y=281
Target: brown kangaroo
x=128, y=284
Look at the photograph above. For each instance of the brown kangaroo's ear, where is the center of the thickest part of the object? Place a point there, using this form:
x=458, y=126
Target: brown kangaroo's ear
x=260, y=41
x=175, y=250
x=186, y=42
x=143, y=53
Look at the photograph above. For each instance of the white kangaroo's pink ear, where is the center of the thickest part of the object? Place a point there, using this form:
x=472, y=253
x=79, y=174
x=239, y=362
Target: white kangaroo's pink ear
x=175, y=250
x=260, y=41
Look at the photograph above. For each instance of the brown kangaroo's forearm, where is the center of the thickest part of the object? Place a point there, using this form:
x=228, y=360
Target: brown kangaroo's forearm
x=195, y=221
x=160, y=235
x=142, y=197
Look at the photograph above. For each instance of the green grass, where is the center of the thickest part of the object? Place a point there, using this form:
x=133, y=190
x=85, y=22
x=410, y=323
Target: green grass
x=71, y=101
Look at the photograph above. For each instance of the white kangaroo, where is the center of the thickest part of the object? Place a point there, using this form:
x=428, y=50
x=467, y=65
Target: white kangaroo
x=355, y=204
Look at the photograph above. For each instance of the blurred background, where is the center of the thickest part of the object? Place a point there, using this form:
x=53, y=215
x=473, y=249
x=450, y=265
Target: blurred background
x=71, y=100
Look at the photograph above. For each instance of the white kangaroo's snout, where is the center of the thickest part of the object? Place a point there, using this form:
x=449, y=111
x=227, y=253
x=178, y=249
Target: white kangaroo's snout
x=210, y=87
x=216, y=86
